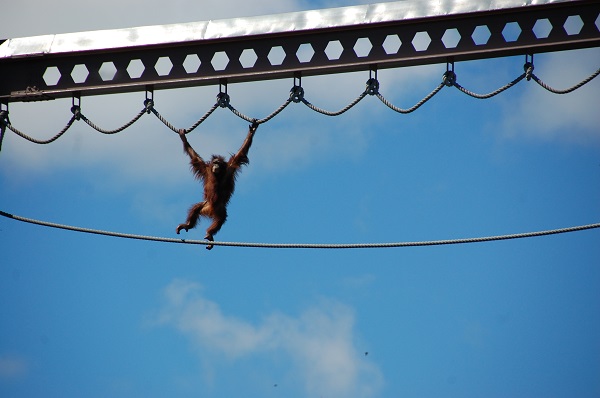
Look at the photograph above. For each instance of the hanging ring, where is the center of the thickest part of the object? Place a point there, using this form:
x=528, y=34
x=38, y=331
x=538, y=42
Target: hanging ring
x=528, y=67
x=76, y=107
x=372, y=83
x=449, y=78
x=223, y=98
x=373, y=86
x=373, y=71
x=297, y=94
x=222, y=83
x=149, y=101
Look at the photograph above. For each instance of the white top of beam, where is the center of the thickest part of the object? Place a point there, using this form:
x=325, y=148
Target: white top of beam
x=250, y=26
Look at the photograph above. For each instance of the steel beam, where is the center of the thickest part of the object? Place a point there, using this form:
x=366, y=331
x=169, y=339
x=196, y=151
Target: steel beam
x=378, y=36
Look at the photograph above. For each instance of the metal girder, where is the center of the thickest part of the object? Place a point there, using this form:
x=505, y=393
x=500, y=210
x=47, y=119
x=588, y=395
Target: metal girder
x=389, y=37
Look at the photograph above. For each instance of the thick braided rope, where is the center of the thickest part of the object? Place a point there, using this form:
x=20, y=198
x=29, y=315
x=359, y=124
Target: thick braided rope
x=117, y=130
x=493, y=93
x=568, y=90
x=48, y=141
x=203, y=118
x=307, y=245
x=341, y=111
x=449, y=80
x=163, y=120
x=2, y=131
x=175, y=129
x=259, y=121
x=413, y=108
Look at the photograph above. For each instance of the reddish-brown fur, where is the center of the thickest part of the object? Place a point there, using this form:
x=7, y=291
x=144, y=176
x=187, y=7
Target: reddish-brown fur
x=219, y=177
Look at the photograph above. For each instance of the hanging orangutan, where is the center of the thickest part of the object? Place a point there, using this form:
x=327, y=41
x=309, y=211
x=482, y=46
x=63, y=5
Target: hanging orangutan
x=218, y=177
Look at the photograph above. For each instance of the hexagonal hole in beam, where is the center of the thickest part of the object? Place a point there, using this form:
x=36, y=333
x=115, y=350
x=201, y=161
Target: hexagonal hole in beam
x=542, y=28
x=51, y=76
x=305, y=52
x=598, y=22
x=451, y=38
x=392, y=44
x=80, y=73
x=276, y=55
x=511, y=32
x=248, y=58
x=573, y=25
x=363, y=47
x=481, y=35
x=135, y=68
x=421, y=41
x=191, y=63
x=334, y=50
x=107, y=71
x=220, y=60
x=163, y=66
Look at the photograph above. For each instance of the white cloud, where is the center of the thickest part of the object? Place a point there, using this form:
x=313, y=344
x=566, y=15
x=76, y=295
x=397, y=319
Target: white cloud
x=12, y=367
x=569, y=117
x=320, y=342
x=358, y=281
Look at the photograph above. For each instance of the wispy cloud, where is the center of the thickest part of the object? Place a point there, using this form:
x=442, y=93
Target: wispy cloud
x=12, y=367
x=572, y=117
x=320, y=342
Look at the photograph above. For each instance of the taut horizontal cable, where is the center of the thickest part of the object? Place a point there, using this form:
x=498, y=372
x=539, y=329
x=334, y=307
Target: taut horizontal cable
x=308, y=245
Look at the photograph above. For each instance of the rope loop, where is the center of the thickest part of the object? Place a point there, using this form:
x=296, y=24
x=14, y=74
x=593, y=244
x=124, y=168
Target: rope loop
x=414, y=107
x=372, y=86
x=449, y=78
x=148, y=105
x=76, y=111
x=223, y=99
x=528, y=68
x=297, y=94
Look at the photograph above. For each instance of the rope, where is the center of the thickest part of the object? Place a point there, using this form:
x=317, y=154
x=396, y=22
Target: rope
x=493, y=93
x=150, y=108
x=416, y=106
x=2, y=130
x=163, y=120
x=568, y=90
x=115, y=131
x=341, y=111
x=2, y=127
x=202, y=119
x=307, y=245
x=297, y=95
x=42, y=142
x=258, y=121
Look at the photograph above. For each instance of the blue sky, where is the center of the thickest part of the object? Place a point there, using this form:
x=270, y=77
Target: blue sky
x=85, y=315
